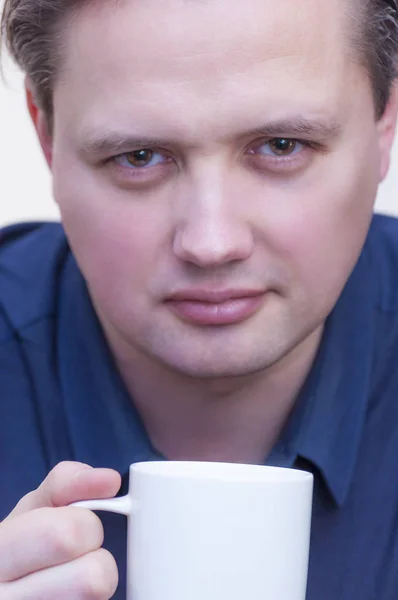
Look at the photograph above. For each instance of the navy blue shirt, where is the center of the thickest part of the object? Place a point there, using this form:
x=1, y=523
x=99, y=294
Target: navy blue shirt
x=61, y=398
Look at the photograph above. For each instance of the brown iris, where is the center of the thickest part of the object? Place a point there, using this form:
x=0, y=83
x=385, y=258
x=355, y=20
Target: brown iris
x=282, y=146
x=140, y=158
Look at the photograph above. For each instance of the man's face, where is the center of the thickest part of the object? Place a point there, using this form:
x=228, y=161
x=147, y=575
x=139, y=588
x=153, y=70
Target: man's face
x=216, y=165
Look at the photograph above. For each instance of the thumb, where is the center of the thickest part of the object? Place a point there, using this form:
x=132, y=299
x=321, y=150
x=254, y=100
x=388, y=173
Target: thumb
x=69, y=482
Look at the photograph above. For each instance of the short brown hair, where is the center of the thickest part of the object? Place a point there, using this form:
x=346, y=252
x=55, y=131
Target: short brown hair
x=32, y=32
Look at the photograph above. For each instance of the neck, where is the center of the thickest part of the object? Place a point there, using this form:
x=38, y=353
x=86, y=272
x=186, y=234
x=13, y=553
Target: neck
x=229, y=420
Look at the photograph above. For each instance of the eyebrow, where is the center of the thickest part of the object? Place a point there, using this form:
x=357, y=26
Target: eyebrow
x=300, y=126
x=114, y=143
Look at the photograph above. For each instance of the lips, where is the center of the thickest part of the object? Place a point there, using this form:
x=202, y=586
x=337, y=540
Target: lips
x=215, y=307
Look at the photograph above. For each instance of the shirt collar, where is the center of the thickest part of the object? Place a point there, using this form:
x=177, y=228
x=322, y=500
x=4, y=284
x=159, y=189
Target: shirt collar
x=326, y=425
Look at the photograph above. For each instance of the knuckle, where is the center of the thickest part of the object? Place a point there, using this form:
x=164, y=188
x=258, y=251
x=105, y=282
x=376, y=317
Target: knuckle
x=64, y=539
x=58, y=480
x=71, y=533
x=99, y=576
x=59, y=473
x=60, y=470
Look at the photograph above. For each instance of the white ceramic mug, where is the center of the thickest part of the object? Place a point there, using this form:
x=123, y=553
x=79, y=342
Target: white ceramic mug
x=215, y=531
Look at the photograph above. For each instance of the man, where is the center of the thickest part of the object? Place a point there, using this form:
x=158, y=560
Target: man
x=218, y=289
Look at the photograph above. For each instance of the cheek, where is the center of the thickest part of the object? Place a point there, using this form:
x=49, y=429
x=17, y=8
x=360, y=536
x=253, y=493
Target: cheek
x=318, y=231
x=117, y=239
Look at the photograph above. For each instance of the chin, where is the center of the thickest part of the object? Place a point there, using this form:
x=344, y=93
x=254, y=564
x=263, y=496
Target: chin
x=216, y=367
x=215, y=371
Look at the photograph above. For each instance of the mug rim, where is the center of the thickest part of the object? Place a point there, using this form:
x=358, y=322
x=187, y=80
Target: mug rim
x=221, y=471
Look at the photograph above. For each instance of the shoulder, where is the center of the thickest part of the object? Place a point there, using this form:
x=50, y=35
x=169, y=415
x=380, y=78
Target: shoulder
x=381, y=251
x=31, y=266
x=31, y=258
x=379, y=291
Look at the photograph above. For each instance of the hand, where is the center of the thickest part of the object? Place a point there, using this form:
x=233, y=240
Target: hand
x=51, y=551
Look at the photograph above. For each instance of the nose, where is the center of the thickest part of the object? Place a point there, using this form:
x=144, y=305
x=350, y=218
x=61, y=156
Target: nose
x=211, y=229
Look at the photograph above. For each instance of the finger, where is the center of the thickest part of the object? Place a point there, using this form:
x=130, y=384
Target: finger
x=67, y=483
x=90, y=577
x=45, y=538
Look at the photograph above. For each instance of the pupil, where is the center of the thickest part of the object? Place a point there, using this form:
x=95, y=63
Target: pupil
x=282, y=145
x=140, y=158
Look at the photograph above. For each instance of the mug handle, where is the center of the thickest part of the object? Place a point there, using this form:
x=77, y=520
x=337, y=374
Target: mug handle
x=121, y=506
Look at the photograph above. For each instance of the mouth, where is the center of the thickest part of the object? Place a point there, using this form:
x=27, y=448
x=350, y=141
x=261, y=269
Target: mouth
x=215, y=307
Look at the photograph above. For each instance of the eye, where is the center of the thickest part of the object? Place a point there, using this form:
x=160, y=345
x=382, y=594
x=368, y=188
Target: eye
x=140, y=159
x=281, y=147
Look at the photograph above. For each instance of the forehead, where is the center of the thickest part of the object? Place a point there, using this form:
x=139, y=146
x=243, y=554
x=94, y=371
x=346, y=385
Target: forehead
x=177, y=61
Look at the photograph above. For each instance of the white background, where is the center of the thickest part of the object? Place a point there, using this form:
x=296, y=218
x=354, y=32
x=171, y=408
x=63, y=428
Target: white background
x=25, y=182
